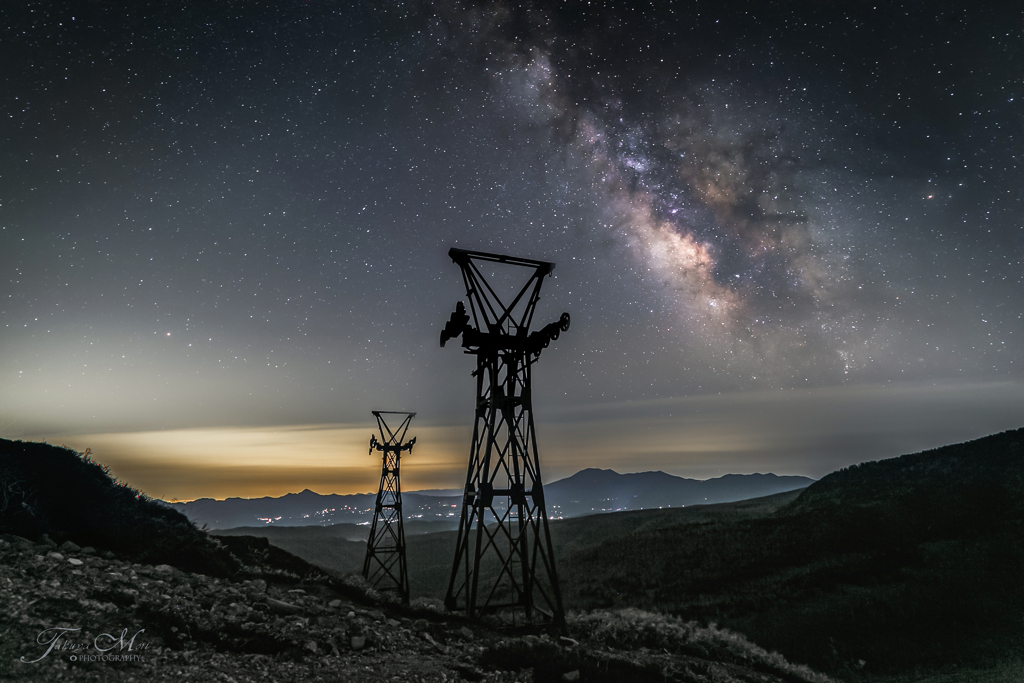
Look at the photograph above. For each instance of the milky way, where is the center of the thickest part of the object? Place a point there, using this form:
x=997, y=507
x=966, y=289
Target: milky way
x=748, y=197
x=238, y=215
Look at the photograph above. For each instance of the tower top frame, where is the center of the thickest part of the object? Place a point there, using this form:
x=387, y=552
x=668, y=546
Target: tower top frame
x=500, y=326
x=391, y=438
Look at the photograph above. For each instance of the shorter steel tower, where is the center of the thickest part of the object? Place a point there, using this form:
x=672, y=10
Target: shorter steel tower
x=385, y=567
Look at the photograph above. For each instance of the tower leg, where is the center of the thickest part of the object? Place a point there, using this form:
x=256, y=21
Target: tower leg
x=504, y=558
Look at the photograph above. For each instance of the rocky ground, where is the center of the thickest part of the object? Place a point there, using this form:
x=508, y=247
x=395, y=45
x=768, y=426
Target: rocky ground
x=72, y=614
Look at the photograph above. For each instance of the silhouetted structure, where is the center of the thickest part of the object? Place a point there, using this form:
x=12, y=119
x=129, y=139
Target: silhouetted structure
x=503, y=556
x=385, y=566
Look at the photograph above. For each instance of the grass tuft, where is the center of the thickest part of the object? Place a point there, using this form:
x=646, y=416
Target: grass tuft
x=635, y=629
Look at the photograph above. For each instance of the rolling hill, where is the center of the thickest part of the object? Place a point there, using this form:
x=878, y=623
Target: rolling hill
x=897, y=570
x=911, y=563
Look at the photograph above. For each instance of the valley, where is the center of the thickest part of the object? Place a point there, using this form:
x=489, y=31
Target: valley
x=877, y=571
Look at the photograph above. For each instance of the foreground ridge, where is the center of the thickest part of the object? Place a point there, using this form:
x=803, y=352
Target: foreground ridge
x=101, y=618
x=254, y=612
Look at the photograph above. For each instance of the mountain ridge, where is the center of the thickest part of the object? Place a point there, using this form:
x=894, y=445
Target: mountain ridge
x=878, y=569
x=589, y=491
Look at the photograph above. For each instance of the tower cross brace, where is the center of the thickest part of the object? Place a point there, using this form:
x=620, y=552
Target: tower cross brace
x=504, y=558
x=385, y=565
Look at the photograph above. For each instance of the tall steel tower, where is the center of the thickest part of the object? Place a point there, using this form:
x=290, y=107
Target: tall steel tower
x=385, y=567
x=503, y=556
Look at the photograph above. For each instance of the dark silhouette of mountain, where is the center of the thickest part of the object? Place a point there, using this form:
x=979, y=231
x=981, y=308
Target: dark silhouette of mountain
x=977, y=477
x=587, y=492
x=291, y=509
x=308, y=508
x=62, y=496
x=883, y=568
x=594, y=490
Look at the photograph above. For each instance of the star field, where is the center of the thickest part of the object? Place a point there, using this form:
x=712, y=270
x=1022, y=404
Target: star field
x=238, y=215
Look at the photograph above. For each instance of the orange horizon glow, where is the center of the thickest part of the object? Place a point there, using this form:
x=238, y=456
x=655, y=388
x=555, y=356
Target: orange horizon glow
x=181, y=465
x=803, y=432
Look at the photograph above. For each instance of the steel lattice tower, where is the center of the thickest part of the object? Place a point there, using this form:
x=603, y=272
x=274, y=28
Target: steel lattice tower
x=385, y=567
x=503, y=556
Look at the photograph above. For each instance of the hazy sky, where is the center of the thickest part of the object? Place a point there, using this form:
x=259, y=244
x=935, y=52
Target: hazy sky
x=790, y=236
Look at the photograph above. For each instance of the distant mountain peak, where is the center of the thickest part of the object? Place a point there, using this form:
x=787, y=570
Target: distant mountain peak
x=588, y=491
x=306, y=493
x=599, y=490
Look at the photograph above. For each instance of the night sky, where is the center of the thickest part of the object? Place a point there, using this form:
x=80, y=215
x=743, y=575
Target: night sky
x=790, y=235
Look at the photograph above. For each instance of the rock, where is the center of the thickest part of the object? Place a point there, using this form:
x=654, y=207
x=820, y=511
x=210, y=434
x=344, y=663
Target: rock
x=56, y=556
x=296, y=590
x=259, y=585
x=394, y=623
x=310, y=645
x=16, y=540
x=358, y=642
x=573, y=675
x=88, y=550
x=334, y=603
x=44, y=539
x=466, y=633
x=75, y=562
x=469, y=672
x=351, y=615
x=69, y=547
x=163, y=568
x=420, y=625
x=281, y=607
